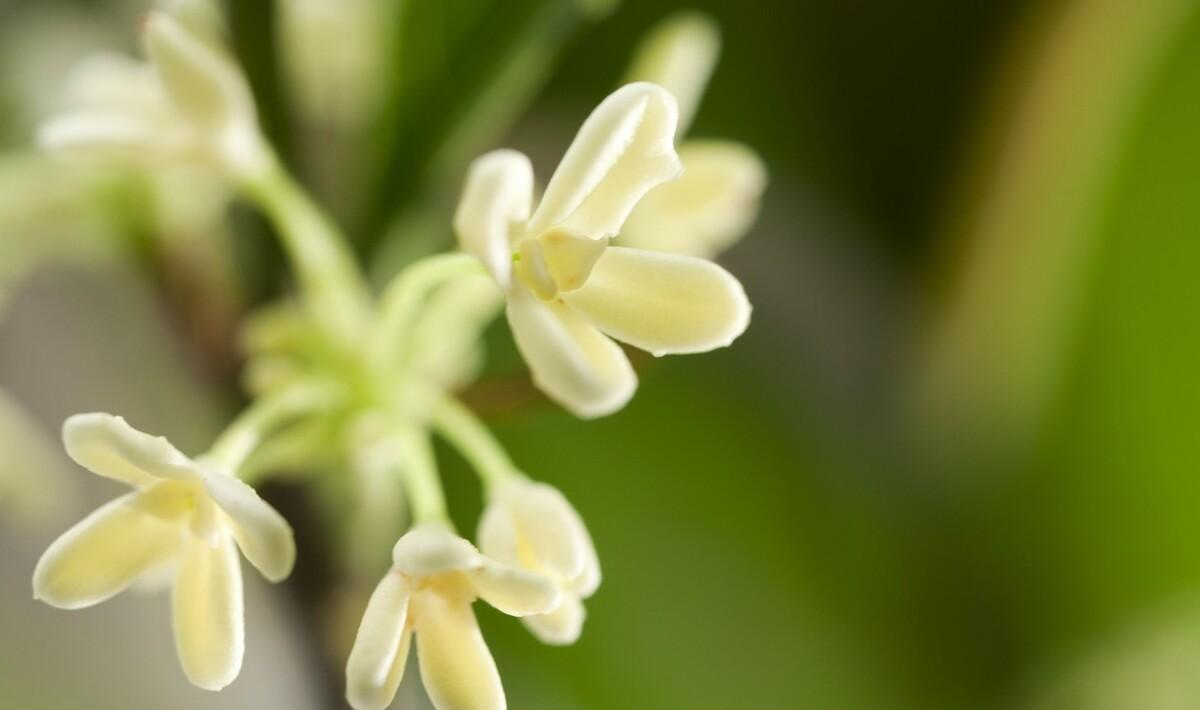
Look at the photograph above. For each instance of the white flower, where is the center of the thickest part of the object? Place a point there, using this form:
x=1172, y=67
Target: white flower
x=428, y=594
x=716, y=199
x=566, y=289
x=189, y=102
x=183, y=512
x=335, y=56
x=532, y=526
x=679, y=54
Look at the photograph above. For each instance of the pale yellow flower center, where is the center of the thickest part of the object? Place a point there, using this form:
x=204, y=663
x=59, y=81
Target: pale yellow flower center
x=557, y=260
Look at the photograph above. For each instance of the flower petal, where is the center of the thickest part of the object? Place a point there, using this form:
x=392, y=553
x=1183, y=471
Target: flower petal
x=430, y=549
x=626, y=147
x=97, y=132
x=377, y=660
x=114, y=82
x=707, y=209
x=446, y=344
x=663, y=303
x=532, y=525
x=263, y=535
x=106, y=445
x=207, y=613
x=200, y=81
x=514, y=591
x=456, y=666
x=108, y=550
x=498, y=194
x=679, y=54
x=569, y=257
x=560, y=627
x=498, y=535
x=588, y=581
x=571, y=361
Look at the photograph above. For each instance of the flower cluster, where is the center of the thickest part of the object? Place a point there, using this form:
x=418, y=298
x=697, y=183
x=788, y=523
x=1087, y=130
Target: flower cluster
x=352, y=386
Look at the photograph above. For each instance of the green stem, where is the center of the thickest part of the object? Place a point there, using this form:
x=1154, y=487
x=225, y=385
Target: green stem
x=264, y=416
x=420, y=476
x=402, y=300
x=475, y=442
x=326, y=269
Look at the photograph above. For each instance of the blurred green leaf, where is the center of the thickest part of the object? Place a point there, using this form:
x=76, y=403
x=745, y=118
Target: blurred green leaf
x=463, y=71
x=1099, y=523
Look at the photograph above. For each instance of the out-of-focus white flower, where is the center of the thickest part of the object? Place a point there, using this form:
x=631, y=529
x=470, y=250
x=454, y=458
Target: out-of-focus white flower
x=715, y=201
x=113, y=111
x=189, y=102
x=532, y=526
x=446, y=347
x=334, y=53
x=203, y=18
x=435, y=577
x=566, y=289
x=183, y=512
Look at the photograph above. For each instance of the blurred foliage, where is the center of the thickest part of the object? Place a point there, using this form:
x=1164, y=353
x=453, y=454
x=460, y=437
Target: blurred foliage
x=1109, y=503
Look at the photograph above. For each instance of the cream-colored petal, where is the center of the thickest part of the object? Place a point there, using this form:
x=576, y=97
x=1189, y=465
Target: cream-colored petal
x=532, y=525
x=625, y=148
x=381, y=512
x=202, y=83
x=587, y=581
x=106, y=445
x=679, y=54
x=456, y=666
x=569, y=359
x=207, y=522
x=208, y=93
x=534, y=273
x=496, y=198
x=570, y=257
x=108, y=550
x=207, y=613
x=114, y=82
x=514, y=591
x=560, y=627
x=263, y=535
x=707, y=209
x=96, y=132
x=430, y=549
x=499, y=537
x=663, y=303
x=377, y=660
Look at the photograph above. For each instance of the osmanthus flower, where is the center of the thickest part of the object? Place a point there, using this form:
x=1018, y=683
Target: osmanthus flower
x=716, y=199
x=335, y=57
x=427, y=595
x=567, y=290
x=183, y=513
x=188, y=104
x=531, y=525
